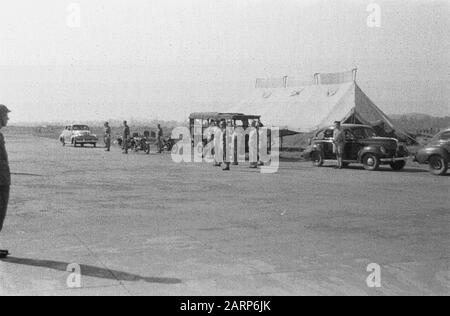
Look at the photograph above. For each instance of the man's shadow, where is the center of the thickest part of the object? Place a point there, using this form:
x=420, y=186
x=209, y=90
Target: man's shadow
x=91, y=271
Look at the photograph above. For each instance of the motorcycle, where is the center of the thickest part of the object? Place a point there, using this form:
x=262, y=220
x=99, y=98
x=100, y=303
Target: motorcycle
x=141, y=143
x=137, y=143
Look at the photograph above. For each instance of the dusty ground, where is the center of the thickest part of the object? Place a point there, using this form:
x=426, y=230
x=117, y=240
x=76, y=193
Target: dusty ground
x=141, y=224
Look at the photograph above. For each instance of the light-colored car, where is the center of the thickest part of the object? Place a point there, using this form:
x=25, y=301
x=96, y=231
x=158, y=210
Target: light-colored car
x=78, y=134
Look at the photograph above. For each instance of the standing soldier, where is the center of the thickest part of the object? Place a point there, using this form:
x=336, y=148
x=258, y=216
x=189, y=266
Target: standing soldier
x=234, y=144
x=216, y=138
x=159, y=138
x=5, y=175
x=253, y=146
x=226, y=144
x=260, y=131
x=339, y=143
x=209, y=133
x=126, y=135
x=107, y=137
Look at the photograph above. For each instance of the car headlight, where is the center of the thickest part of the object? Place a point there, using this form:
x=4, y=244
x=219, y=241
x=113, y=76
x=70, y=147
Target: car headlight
x=383, y=150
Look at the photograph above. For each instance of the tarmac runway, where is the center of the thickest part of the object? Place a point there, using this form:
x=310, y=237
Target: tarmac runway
x=144, y=225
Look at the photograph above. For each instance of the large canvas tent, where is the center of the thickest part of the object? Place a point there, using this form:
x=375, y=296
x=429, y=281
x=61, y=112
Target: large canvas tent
x=311, y=107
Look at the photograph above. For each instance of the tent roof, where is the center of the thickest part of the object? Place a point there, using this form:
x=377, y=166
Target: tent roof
x=309, y=108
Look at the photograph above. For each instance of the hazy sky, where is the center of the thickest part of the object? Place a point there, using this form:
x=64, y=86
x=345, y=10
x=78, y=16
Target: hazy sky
x=164, y=59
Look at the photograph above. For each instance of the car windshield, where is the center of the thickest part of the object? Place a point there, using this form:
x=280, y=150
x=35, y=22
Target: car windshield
x=80, y=128
x=325, y=134
x=363, y=132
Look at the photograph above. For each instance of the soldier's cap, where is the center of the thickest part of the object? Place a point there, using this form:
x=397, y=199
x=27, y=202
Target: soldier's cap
x=4, y=109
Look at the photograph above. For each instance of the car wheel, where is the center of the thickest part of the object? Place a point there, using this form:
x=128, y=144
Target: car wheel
x=438, y=165
x=75, y=144
x=317, y=159
x=62, y=141
x=371, y=162
x=398, y=165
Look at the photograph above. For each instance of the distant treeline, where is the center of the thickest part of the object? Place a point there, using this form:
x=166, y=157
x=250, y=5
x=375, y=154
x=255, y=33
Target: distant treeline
x=54, y=131
x=422, y=124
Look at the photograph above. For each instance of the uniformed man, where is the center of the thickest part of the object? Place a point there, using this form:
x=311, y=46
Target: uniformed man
x=234, y=140
x=259, y=127
x=253, y=145
x=339, y=143
x=5, y=175
x=125, y=137
x=225, y=145
x=107, y=137
x=159, y=137
x=216, y=139
x=209, y=133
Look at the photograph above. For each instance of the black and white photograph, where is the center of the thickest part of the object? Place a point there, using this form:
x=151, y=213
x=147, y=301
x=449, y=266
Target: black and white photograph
x=224, y=154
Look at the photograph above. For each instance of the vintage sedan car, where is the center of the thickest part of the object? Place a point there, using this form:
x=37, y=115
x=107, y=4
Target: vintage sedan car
x=78, y=135
x=436, y=153
x=362, y=146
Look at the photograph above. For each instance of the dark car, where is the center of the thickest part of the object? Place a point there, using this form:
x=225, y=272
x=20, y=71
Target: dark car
x=362, y=146
x=436, y=153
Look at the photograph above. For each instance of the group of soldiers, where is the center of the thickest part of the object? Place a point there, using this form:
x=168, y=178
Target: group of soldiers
x=224, y=140
x=221, y=153
x=126, y=136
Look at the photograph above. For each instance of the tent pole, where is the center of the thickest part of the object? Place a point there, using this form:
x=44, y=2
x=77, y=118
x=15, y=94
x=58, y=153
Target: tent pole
x=316, y=78
x=355, y=71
